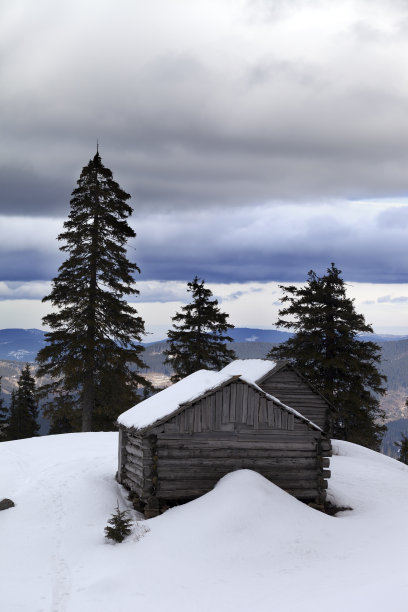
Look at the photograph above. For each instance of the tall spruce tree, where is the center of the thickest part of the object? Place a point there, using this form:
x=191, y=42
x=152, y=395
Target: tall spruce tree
x=23, y=418
x=327, y=351
x=93, y=351
x=198, y=339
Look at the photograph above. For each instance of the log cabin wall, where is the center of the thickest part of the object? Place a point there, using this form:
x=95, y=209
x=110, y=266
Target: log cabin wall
x=287, y=386
x=233, y=428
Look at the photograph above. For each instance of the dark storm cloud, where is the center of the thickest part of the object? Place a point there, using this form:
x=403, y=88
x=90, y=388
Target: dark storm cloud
x=25, y=192
x=204, y=105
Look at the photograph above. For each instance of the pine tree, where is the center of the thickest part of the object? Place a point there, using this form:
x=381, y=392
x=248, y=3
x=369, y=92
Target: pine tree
x=93, y=351
x=327, y=351
x=119, y=525
x=198, y=340
x=23, y=418
x=4, y=413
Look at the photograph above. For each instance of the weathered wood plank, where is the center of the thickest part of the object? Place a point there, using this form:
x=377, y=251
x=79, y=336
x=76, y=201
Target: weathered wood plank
x=251, y=406
x=233, y=399
x=238, y=402
x=204, y=420
x=257, y=398
x=263, y=414
x=270, y=412
x=225, y=405
x=244, y=403
x=182, y=421
x=197, y=417
x=291, y=421
x=190, y=420
x=218, y=409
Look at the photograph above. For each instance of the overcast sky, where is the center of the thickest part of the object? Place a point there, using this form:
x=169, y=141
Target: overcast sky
x=258, y=138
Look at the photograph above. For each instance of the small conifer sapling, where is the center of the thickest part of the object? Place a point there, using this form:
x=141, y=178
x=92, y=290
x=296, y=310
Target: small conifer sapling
x=119, y=525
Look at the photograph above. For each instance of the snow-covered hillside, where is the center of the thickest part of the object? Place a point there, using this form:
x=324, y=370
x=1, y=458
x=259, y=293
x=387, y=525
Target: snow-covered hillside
x=246, y=546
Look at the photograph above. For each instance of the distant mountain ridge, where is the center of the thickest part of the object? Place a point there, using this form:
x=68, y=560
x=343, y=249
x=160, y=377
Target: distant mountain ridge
x=23, y=344
x=20, y=344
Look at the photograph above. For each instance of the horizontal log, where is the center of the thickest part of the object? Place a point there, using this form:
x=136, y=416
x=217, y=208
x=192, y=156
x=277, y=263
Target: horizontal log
x=325, y=444
x=304, y=494
x=173, y=494
x=210, y=460
x=180, y=454
x=138, y=468
x=241, y=430
x=242, y=442
x=270, y=472
x=136, y=441
x=307, y=494
x=138, y=461
x=185, y=487
x=131, y=485
x=134, y=470
x=132, y=450
x=190, y=488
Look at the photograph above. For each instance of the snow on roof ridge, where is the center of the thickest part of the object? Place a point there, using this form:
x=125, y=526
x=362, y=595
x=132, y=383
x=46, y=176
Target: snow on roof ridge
x=252, y=369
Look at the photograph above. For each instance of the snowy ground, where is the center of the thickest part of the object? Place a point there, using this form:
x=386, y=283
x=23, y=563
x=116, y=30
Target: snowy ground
x=246, y=546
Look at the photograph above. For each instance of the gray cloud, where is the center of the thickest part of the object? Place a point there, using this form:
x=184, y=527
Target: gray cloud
x=246, y=136
x=204, y=105
x=387, y=299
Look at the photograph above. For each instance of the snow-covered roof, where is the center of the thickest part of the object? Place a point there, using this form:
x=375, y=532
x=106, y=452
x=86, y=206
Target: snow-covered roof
x=167, y=402
x=251, y=369
x=170, y=399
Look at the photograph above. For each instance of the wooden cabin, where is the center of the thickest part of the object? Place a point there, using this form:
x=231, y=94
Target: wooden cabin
x=283, y=381
x=177, y=444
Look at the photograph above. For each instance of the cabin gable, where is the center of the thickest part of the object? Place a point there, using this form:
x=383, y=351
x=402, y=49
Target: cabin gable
x=287, y=385
x=233, y=407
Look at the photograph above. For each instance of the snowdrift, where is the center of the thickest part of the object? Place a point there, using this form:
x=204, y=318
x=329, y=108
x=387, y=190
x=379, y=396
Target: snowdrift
x=245, y=546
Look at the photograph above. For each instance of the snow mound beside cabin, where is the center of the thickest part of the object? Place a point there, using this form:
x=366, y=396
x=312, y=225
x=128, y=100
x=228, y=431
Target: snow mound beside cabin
x=245, y=546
